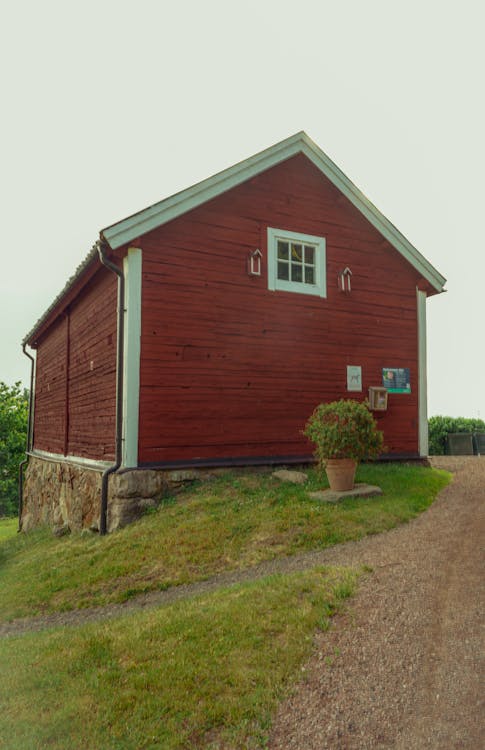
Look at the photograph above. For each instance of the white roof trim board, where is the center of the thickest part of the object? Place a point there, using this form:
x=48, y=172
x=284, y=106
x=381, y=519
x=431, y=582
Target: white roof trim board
x=160, y=213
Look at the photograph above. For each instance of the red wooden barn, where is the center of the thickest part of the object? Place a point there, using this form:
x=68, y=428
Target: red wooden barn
x=246, y=300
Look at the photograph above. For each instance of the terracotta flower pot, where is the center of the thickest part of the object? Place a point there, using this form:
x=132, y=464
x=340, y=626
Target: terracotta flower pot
x=341, y=473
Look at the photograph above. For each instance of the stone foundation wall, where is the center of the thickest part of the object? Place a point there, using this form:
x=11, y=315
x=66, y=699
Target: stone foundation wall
x=67, y=496
x=60, y=494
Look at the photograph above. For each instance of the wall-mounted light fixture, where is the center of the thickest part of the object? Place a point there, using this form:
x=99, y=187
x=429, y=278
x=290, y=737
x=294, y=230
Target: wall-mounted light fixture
x=254, y=263
x=343, y=278
x=377, y=398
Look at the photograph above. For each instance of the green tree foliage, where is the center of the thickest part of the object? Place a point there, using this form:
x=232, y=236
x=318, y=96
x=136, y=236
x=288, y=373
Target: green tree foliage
x=439, y=427
x=14, y=406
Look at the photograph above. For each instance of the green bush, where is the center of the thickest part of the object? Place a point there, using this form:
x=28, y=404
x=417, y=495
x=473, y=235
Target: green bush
x=439, y=427
x=344, y=429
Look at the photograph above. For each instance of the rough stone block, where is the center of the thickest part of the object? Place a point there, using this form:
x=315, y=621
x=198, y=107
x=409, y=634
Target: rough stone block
x=185, y=475
x=57, y=493
x=360, y=490
x=284, y=475
x=138, y=483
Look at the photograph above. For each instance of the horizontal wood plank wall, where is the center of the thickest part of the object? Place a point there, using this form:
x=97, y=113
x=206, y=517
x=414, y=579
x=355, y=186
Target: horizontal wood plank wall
x=50, y=389
x=92, y=369
x=89, y=398
x=230, y=369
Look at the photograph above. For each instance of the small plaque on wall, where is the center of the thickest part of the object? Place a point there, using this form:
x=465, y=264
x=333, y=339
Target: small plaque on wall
x=354, y=378
x=396, y=379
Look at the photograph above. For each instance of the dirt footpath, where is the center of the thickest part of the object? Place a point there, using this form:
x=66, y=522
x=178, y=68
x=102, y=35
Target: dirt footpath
x=404, y=666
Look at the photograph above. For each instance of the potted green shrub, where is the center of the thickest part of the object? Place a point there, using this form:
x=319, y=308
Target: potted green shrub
x=344, y=432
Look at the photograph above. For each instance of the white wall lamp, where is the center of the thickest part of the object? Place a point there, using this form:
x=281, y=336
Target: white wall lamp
x=254, y=262
x=343, y=278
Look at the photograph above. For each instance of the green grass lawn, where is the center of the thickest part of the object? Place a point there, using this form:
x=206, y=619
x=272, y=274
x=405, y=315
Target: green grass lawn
x=8, y=528
x=207, y=672
x=203, y=673
x=233, y=522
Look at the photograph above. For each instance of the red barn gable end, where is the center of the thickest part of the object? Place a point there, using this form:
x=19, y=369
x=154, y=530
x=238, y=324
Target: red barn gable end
x=223, y=360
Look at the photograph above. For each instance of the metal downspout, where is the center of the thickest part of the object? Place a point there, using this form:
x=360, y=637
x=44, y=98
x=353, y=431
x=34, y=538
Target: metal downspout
x=28, y=442
x=119, y=388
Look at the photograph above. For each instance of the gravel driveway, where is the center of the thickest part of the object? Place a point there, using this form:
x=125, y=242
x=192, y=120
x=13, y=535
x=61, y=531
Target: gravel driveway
x=403, y=668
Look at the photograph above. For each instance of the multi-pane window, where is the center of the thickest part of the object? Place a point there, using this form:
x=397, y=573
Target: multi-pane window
x=296, y=262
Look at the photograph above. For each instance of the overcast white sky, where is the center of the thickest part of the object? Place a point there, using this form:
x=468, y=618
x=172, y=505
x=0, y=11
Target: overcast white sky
x=108, y=106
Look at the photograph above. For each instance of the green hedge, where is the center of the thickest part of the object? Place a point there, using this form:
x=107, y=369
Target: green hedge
x=439, y=427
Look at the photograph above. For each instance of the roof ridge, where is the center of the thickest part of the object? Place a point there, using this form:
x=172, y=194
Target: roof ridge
x=124, y=231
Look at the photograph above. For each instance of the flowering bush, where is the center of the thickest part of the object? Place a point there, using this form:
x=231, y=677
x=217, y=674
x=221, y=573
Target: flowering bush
x=344, y=429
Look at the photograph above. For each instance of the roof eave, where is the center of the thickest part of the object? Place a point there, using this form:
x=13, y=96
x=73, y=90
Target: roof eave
x=170, y=208
x=62, y=300
x=160, y=213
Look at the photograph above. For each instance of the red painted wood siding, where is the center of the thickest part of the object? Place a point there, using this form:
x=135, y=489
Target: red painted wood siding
x=92, y=369
x=50, y=390
x=230, y=369
x=90, y=359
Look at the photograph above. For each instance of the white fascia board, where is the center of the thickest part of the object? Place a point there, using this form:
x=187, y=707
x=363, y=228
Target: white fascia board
x=134, y=226
x=372, y=214
x=178, y=204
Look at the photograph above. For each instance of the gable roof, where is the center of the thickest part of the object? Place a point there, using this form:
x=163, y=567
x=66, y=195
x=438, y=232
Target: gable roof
x=160, y=213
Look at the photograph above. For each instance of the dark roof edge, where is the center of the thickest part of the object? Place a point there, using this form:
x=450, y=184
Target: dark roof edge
x=93, y=253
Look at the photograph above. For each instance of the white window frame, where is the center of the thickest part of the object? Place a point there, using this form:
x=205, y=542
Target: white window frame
x=318, y=289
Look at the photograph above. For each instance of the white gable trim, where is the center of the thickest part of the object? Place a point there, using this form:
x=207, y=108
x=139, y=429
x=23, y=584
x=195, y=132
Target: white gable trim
x=134, y=226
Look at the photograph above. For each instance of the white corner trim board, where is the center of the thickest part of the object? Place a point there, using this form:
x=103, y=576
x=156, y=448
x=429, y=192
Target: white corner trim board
x=132, y=267
x=422, y=375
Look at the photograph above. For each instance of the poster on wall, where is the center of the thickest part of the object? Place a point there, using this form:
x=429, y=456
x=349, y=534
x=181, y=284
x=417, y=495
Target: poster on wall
x=354, y=378
x=396, y=379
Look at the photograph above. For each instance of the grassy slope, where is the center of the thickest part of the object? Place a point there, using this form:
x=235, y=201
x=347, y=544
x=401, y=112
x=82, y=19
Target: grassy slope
x=203, y=673
x=234, y=522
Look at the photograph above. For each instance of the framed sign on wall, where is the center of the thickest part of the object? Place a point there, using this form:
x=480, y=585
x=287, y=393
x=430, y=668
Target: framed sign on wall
x=396, y=379
x=354, y=378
